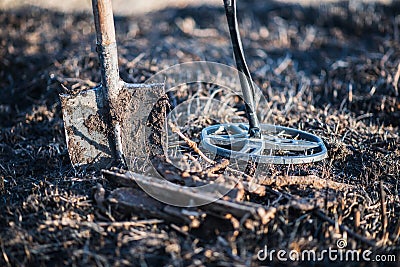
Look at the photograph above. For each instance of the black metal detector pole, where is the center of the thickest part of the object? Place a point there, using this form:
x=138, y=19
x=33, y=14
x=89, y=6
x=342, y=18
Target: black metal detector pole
x=245, y=80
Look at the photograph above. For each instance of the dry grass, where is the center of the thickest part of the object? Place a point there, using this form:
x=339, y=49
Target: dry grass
x=332, y=70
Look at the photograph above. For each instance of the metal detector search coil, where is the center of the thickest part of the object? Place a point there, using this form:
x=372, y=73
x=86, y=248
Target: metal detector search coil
x=278, y=144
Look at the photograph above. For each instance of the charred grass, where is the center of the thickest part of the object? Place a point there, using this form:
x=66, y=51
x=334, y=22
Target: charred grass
x=333, y=70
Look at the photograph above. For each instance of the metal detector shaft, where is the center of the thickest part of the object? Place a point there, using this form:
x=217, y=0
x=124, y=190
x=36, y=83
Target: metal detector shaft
x=245, y=80
x=107, y=50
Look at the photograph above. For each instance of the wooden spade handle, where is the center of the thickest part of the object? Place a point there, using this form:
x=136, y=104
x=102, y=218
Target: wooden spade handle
x=104, y=21
x=106, y=48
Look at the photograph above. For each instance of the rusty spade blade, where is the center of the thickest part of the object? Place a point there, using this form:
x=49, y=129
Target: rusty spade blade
x=106, y=125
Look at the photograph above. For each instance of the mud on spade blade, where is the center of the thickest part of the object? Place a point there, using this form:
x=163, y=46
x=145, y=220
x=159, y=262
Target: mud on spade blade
x=88, y=131
x=106, y=125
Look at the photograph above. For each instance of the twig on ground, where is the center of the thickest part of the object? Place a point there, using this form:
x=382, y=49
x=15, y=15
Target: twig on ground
x=385, y=234
x=217, y=167
x=130, y=224
x=311, y=180
x=190, y=143
x=396, y=80
x=4, y=254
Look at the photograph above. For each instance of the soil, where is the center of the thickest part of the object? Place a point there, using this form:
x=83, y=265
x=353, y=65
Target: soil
x=333, y=70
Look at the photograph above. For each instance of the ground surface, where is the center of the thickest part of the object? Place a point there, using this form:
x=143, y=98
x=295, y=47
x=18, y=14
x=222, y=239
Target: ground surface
x=337, y=66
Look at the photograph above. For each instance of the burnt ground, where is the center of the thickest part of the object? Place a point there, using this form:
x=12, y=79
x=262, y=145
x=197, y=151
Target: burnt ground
x=337, y=65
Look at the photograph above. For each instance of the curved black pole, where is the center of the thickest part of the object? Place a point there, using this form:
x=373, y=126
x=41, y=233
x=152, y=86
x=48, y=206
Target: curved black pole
x=245, y=80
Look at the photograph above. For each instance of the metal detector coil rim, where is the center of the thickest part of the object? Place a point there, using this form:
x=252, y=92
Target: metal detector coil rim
x=206, y=142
